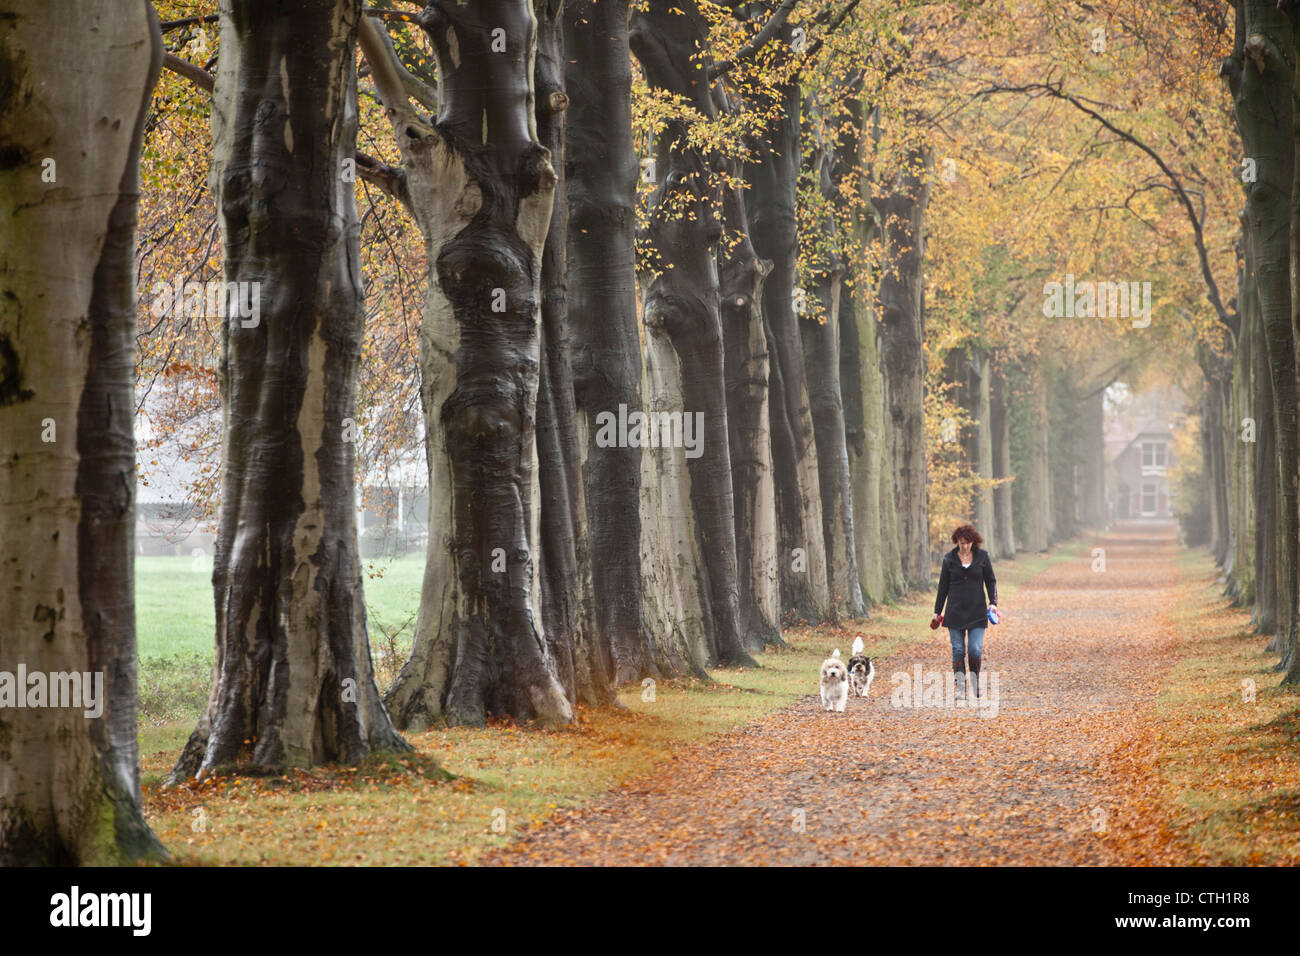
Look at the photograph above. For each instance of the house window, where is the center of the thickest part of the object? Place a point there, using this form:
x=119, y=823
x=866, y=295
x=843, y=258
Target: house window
x=1153, y=454
x=1149, y=493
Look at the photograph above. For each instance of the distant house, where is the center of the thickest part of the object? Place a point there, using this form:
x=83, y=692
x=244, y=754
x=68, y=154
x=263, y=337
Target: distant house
x=391, y=521
x=1140, y=472
x=167, y=522
x=394, y=520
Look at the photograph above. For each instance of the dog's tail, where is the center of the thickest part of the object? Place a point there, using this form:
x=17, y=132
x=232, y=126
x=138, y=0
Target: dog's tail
x=835, y=654
x=857, y=646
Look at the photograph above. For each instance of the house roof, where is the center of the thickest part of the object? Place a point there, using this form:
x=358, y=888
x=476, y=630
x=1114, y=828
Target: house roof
x=1152, y=426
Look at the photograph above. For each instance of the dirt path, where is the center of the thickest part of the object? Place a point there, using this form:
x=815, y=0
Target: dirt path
x=1056, y=777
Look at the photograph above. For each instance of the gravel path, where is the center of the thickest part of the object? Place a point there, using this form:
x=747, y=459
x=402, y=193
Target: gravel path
x=1055, y=775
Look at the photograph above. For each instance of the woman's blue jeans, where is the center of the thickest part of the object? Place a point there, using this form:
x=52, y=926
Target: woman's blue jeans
x=969, y=642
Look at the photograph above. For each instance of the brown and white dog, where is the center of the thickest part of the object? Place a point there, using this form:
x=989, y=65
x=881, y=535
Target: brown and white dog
x=861, y=671
x=835, y=683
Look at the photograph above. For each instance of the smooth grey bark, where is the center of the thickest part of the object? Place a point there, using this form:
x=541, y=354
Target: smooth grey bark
x=581, y=652
x=293, y=682
x=969, y=367
x=480, y=186
x=741, y=275
x=770, y=202
x=1000, y=432
x=901, y=296
x=1265, y=114
x=862, y=383
x=1091, y=455
x=682, y=304
x=600, y=185
x=1265, y=472
x=819, y=337
x=1029, y=447
x=1242, y=452
x=69, y=782
x=1062, y=454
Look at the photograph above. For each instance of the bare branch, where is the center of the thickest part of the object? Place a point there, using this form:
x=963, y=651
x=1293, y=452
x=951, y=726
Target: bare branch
x=387, y=72
x=415, y=87
x=191, y=71
x=1230, y=319
x=167, y=25
x=391, y=179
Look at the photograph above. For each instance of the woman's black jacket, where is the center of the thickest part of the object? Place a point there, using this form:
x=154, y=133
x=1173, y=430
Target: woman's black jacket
x=963, y=588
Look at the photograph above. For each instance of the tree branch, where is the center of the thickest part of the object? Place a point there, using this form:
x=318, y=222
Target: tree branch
x=391, y=179
x=757, y=42
x=413, y=86
x=1230, y=319
x=386, y=70
x=191, y=71
x=835, y=25
x=167, y=25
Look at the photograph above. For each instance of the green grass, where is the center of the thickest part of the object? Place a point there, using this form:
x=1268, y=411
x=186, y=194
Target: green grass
x=176, y=624
x=174, y=604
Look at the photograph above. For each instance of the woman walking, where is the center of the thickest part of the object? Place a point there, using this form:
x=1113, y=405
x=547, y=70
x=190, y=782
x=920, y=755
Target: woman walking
x=967, y=571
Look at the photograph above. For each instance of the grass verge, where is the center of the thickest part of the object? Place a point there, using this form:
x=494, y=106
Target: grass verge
x=1229, y=732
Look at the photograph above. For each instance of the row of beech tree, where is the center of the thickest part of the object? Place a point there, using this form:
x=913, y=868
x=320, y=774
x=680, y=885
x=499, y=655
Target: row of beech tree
x=561, y=565
x=1249, y=412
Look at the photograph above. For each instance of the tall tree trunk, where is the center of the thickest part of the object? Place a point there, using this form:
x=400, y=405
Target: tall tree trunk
x=1266, y=532
x=681, y=303
x=1092, y=460
x=480, y=187
x=862, y=385
x=983, y=447
x=1265, y=114
x=581, y=652
x=866, y=440
x=1224, y=553
x=69, y=768
x=293, y=683
x=676, y=599
x=1062, y=421
x=901, y=297
x=1029, y=450
x=1243, y=457
x=1000, y=430
x=741, y=275
x=819, y=337
x=770, y=201
x=600, y=185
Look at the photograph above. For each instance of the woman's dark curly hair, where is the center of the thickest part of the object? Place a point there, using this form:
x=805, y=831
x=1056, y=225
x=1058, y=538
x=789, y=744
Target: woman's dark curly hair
x=969, y=533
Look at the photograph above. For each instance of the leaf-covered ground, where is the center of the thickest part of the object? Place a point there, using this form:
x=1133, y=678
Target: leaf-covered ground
x=1124, y=734
x=1084, y=762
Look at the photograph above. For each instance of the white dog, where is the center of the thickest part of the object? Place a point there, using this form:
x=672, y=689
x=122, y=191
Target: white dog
x=861, y=671
x=835, y=683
